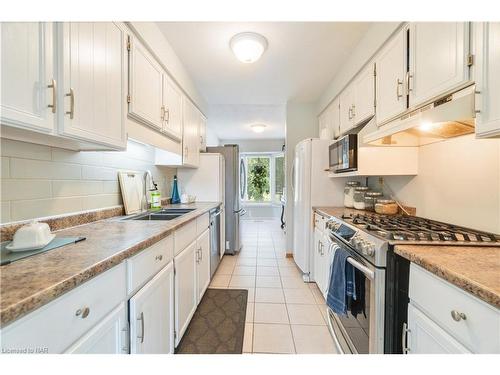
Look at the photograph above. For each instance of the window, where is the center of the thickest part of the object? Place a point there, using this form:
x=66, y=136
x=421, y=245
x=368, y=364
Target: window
x=262, y=177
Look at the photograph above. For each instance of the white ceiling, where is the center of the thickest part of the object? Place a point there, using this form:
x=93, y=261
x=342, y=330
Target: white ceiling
x=301, y=59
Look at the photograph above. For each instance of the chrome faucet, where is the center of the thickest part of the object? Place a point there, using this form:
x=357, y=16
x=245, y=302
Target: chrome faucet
x=144, y=203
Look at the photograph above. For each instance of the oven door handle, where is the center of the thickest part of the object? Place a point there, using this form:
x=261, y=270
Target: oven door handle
x=366, y=271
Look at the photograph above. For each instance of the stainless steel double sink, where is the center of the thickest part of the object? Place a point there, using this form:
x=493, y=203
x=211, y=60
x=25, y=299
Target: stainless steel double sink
x=163, y=214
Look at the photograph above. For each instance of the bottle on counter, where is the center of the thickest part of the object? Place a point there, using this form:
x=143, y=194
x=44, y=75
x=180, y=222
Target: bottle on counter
x=155, y=197
x=175, y=192
x=371, y=198
x=359, y=197
x=349, y=193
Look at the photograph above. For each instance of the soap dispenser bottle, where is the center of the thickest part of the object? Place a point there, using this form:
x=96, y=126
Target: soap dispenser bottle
x=175, y=192
x=155, y=197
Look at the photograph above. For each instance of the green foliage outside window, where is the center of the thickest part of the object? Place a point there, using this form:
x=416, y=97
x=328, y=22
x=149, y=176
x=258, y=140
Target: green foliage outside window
x=258, y=179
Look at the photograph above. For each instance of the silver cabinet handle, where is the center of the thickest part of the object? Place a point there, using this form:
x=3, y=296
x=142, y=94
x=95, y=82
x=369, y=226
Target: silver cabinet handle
x=167, y=112
x=159, y=257
x=141, y=318
x=162, y=113
x=404, y=339
x=350, y=113
x=71, y=111
x=53, y=86
x=458, y=316
x=201, y=254
x=399, y=84
x=353, y=111
x=408, y=78
x=83, y=312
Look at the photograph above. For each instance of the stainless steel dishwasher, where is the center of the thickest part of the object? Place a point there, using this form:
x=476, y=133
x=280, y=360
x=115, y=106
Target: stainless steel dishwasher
x=214, y=239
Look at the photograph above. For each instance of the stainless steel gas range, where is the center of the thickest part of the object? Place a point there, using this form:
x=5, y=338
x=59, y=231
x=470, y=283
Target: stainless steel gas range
x=370, y=240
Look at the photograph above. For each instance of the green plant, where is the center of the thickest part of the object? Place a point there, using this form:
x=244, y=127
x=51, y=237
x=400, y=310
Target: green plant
x=258, y=179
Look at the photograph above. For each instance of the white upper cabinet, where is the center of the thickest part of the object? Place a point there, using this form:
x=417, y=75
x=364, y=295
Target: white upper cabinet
x=145, y=86
x=28, y=82
x=334, y=117
x=487, y=75
x=172, y=108
x=438, y=59
x=363, y=107
x=346, y=102
x=391, y=70
x=190, y=138
x=203, y=133
x=330, y=120
x=93, y=95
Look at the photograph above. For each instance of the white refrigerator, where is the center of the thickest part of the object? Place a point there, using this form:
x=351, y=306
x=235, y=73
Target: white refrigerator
x=311, y=187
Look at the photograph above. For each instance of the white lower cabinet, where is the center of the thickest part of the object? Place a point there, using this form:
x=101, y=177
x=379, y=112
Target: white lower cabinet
x=110, y=336
x=448, y=320
x=203, y=263
x=425, y=337
x=321, y=260
x=151, y=315
x=185, y=289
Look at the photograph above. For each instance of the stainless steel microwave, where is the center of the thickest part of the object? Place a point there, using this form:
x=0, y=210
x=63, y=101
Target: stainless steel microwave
x=343, y=154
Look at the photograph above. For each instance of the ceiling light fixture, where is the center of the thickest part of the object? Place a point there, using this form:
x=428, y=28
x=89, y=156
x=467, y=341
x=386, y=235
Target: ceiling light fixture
x=248, y=47
x=258, y=128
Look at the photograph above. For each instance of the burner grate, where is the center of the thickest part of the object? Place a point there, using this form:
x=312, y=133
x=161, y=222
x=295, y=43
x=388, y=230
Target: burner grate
x=413, y=228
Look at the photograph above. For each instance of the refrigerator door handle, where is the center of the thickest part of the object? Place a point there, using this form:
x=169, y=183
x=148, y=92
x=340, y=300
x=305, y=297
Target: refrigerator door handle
x=293, y=177
x=243, y=179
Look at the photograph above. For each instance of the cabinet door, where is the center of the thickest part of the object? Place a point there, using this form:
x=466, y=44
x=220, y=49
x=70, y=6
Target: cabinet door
x=426, y=337
x=190, y=138
x=203, y=263
x=185, y=289
x=335, y=118
x=487, y=77
x=317, y=256
x=27, y=71
x=93, y=98
x=391, y=69
x=110, y=336
x=322, y=122
x=145, y=86
x=346, y=103
x=203, y=133
x=364, y=95
x=151, y=315
x=173, y=108
x=438, y=58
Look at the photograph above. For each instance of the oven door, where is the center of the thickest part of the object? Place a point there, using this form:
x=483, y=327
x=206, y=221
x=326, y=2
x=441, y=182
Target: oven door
x=364, y=333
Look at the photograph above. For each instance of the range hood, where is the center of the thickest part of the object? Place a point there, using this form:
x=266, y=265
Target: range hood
x=450, y=116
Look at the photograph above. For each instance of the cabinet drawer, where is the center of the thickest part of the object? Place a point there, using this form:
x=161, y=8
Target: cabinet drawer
x=319, y=221
x=142, y=267
x=438, y=298
x=57, y=325
x=184, y=236
x=202, y=223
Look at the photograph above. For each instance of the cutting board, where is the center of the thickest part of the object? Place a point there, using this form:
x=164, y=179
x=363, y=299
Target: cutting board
x=131, y=183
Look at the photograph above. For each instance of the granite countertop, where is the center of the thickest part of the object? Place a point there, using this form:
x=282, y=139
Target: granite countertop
x=475, y=269
x=472, y=268
x=35, y=281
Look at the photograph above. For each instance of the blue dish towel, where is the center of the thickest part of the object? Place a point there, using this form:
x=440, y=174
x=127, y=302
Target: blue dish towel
x=337, y=290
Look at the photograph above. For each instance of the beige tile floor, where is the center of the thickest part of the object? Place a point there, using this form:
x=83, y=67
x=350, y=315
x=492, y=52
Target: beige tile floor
x=284, y=314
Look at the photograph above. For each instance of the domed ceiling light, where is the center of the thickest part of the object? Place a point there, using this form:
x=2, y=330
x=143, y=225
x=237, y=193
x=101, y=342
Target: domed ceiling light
x=248, y=47
x=258, y=128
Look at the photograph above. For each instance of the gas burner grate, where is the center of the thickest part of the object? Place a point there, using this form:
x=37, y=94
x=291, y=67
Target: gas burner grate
x=414, y=228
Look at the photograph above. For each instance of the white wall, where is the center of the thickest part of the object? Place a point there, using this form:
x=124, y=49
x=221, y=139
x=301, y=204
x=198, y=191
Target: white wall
x=458, y=182
x=301, y=123
x=376, y=35
x=211, y=137
x=254, y=145
x=39, y=181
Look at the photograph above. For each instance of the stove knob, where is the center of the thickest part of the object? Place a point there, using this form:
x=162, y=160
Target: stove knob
x=370, y=250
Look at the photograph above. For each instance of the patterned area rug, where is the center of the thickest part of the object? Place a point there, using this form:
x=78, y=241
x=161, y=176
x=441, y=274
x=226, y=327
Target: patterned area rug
x=218, y=324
